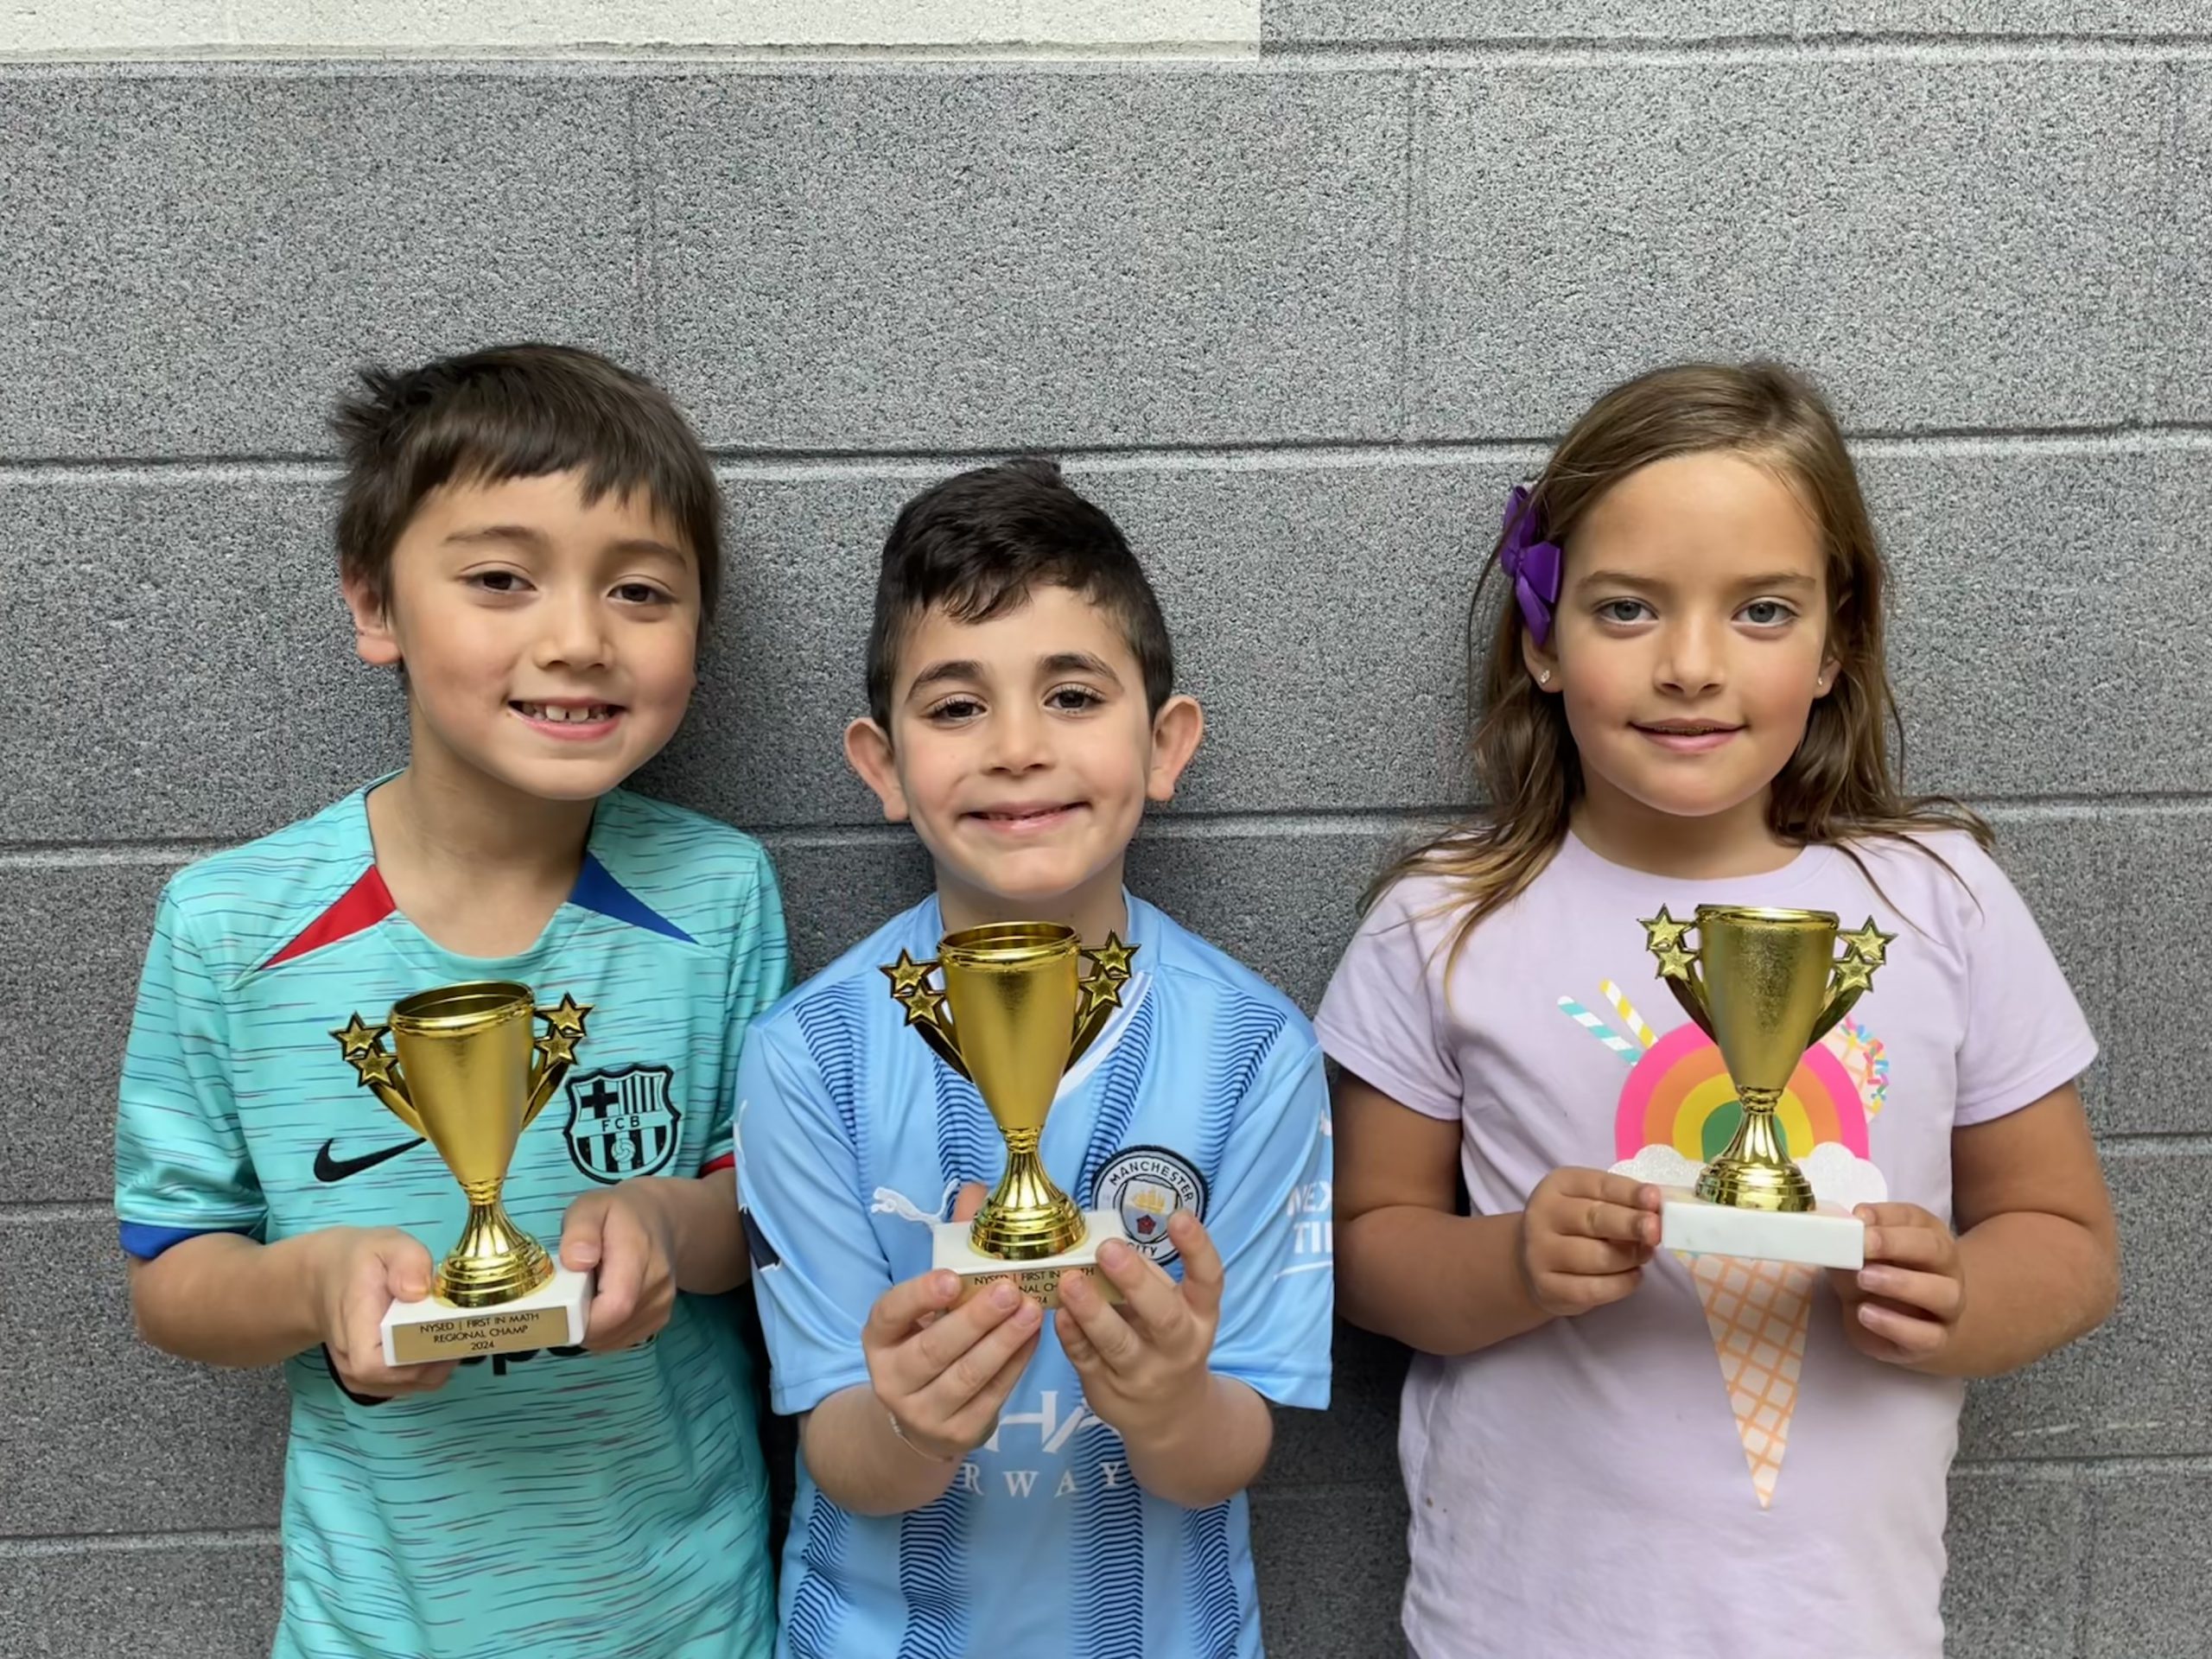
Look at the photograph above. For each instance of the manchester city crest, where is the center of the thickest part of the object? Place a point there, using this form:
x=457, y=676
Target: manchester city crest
x=623, y=1123
x=1147, y=1185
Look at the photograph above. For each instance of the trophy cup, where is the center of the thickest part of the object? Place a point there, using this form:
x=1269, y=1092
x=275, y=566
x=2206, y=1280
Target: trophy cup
x=1014, y=1014
x=1772, y=987
x=462, y=1077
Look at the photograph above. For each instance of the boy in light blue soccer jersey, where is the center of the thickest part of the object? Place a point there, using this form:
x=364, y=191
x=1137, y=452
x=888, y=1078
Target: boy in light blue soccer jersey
x=985, y=1480
x=533, y=535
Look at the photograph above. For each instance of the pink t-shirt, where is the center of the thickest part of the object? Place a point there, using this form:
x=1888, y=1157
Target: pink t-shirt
x=1706, y=1467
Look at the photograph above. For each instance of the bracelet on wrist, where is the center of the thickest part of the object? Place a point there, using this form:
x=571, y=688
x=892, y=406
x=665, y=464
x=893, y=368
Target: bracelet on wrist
x=923, y=1452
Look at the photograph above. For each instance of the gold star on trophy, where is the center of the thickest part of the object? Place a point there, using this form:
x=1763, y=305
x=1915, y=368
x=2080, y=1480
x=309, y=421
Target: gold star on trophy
x=907, y=977
x=1111, y=959
x=1102, y=988
x=1870, y=944
x=567, y=1020
x=1664, y=932
x=357, y=1039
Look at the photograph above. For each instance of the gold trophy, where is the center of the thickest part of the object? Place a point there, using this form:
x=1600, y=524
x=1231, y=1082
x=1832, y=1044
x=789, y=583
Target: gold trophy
x=1771, y=985
x=463, y=1077
x=1014, y=1013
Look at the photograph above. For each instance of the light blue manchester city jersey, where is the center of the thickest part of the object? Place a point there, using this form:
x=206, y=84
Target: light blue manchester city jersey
x=1205, y=1093
x=556, y=1502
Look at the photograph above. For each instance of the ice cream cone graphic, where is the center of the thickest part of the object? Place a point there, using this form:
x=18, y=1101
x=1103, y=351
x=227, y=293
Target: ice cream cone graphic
x=1756, y=1312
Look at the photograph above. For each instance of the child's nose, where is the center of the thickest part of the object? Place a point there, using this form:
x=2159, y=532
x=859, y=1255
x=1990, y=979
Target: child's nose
x=574, y=633
x=1691, y=656
x=1019, y=742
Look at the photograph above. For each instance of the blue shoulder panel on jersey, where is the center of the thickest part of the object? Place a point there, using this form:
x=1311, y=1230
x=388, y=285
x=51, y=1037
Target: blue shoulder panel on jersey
x=146, y=1242
x=597, y=889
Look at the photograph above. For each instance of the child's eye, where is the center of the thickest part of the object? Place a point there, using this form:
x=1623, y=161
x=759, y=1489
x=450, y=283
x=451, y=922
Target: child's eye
x=1072, y=699
x=643, y=593
x=1767, y=613
x=497, y=581
x=953, y=709
x=1624, y=611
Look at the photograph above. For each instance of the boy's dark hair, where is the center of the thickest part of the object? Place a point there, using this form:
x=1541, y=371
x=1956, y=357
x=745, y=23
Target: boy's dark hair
x=980, y=541
x=517, y=411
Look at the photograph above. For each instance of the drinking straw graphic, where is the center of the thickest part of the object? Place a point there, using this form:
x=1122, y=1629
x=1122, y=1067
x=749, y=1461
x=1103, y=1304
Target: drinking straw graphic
x=1598, y=1028
x=1630, y=1017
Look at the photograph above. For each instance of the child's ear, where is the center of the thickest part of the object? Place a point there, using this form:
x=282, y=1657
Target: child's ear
x=867, y=748
x=373, y=639
x=1542, y=666
x=1176, y=730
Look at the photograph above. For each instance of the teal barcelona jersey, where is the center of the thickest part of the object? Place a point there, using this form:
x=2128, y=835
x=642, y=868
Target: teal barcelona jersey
x=1205, y=1093
x=556, y=1502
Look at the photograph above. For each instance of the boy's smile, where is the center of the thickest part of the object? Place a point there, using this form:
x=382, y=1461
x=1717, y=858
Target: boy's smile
x=1021, y=750
x=549, y=643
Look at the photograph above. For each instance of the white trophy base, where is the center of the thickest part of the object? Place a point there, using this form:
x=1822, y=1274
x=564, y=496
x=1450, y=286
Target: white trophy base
x=552, y=1316
x=1826, y=1235
x=1038, y=1279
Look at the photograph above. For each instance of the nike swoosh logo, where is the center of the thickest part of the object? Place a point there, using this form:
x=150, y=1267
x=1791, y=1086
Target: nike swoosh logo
x=327, y=1168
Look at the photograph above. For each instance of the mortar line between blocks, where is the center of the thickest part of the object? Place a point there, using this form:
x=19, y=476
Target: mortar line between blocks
x=740, y=461
x=106, y=1544
x=64, y=853
x=2085, y=1567
x=14, y=1212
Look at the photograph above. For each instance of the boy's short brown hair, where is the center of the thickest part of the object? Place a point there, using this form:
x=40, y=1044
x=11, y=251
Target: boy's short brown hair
x=977, y=544
x=517, y=411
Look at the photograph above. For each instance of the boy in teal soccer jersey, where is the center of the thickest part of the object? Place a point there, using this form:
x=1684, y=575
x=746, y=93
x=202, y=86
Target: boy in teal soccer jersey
x=532, y=533
x=985, y=1480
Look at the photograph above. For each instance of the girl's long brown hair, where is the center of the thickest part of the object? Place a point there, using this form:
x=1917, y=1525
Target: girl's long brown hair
x=1838, y=787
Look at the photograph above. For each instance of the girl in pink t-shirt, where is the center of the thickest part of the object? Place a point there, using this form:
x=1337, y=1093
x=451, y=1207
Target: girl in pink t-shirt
x=1608, y=1448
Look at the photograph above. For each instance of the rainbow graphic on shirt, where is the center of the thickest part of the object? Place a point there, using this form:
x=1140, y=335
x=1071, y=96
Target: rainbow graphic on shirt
x=1677, y=1110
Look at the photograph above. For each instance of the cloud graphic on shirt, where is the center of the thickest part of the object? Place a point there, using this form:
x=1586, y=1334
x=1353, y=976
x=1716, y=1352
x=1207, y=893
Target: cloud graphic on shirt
x=1839, y=1175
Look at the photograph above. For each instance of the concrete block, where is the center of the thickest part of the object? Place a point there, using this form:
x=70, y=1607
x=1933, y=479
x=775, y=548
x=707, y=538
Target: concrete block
x=962, y=260
x=71, y=942
x=196, y=263
x=2110, y=19
x=1421, y=22
x=1355, y=1442
x=192, y=1600
x=2150, y=1597
x=2067, y=865
x=1317, y=614
x=840, y=886
x=185, y=663
x=2079, y=671
x=103, y=1433
x=2181, y=367
x=786, y=668
x=1283, y=904
x=2134, y=1388
x=2017, y=1545
x=2158, y=1080
x=1943, y=243
x=1331, y=1568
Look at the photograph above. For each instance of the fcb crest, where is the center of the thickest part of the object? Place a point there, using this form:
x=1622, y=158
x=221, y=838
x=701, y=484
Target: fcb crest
x=623, y=1123
x=1147, y=1184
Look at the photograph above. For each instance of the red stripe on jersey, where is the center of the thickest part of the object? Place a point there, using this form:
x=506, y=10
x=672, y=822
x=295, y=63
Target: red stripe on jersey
x=365, y=904
x=728, y=1161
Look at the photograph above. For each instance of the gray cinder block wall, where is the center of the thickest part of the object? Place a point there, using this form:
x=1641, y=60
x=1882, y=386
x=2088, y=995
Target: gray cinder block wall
x=1297, y=321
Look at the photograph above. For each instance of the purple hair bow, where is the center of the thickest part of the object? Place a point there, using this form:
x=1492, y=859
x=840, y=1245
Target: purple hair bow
x=1532, y=564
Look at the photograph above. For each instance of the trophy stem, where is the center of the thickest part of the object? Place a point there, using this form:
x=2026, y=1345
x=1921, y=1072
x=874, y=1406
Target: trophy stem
x=1025, y=1217
x=1755, y=1172
x=495, y=1261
